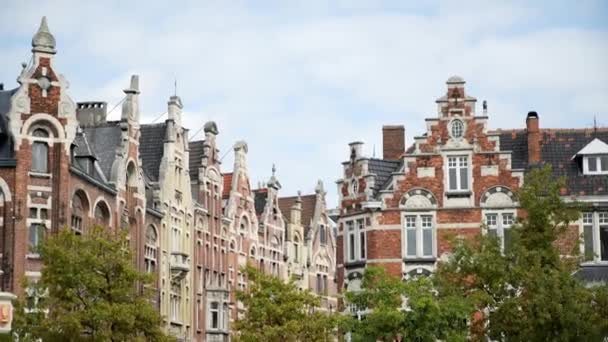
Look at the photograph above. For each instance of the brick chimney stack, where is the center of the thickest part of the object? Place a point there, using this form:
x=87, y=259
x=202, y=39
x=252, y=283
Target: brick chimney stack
x=533, y=138
x=393, y=142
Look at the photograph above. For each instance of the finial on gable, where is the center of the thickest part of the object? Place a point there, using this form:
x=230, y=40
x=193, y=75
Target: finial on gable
x=43, y=40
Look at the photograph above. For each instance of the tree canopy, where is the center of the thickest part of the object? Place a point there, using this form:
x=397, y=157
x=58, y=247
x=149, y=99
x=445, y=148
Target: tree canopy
x=274, y=310
x=89, y=290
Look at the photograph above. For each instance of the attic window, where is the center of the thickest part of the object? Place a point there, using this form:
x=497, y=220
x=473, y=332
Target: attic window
x=457, y=128
x=595, y=165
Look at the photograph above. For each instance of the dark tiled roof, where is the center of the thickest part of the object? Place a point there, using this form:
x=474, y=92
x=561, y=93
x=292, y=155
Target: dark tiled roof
x=5, y=100
x=309, y=202
x=259, y=197
x=195, y=157
x=593, y=274
x=383, y=170
x=151, y=143
x=558, y=146
x=104, y=139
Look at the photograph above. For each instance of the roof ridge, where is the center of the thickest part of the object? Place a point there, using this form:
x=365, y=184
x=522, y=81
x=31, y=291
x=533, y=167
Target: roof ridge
x=552, y=130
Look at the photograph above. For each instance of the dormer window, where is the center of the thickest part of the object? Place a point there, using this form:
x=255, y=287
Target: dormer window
x=457, y=129
x=594, y=157
x=595, y=165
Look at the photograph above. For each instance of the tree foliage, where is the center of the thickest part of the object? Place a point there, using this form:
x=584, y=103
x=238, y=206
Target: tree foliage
x=528, y=292
x=408, y=311
x=89, y=290
x=279, y=311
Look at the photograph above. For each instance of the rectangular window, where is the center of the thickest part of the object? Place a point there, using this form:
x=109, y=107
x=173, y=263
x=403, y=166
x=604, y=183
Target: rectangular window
x=410, y=231
x=603, y=225
x=36, y=234
x=592, y=162
x=458, y=173
x=40, y=157
x=499, y=225
x=77, y=224
x=215, y=315
x=427, y=235
x=325, y=290
x=604, y=163
x=351, y=240
x=362, y=245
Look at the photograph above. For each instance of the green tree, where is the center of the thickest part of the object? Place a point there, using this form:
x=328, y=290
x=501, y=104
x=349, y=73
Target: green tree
x=89, y=290
x=527, y=292
x=407, y=311
x=278, y=311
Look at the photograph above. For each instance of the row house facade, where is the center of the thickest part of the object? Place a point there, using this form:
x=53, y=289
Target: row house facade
x=64, y=164
x=459, y=178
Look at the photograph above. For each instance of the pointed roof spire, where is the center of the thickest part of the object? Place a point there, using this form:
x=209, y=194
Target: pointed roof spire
x=43, y=40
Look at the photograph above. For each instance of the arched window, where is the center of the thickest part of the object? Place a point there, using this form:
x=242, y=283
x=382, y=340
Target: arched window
x=252, y=253
x=354, y=187
x=457, y=128
x=102, y=214
x=40, y=151
x=79, y=212
x=151, y=246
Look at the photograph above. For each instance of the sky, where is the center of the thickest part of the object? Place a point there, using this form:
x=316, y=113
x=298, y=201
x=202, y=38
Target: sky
x=299, y=80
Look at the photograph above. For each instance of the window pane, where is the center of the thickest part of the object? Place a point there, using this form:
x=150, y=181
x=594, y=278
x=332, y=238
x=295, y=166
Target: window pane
x=410, y=222
x=507, y=220
x=362, y=244
x=39, y=157
x=592, y=162
x=452, y=174
x=464, y=178
x=588, y=218
x=604, y=243
x=588, y=239
x=491, y=220
x=427, y=242
x=508, y=239
x=604, y=163
x=411, y=242
x=351, y=246
x=492, y=233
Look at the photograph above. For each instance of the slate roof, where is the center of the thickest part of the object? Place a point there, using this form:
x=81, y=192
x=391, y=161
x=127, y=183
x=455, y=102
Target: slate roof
x=383, y=170
x=104, y=139
x=557, y=148
x=260, y=197
x=5, y=100
x=151, y=143
x=195, y=157
x=309, y=202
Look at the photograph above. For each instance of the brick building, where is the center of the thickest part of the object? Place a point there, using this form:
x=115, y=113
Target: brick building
x=398, y=212
x=63, y=164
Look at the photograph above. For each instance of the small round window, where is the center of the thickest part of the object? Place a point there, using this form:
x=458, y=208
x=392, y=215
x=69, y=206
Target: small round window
x=457, y=128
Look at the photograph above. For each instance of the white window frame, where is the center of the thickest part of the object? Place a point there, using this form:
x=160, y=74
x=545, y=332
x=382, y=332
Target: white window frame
x=500, y=224
x=598, y=168
x=419, y=229
x=358, y=245
x=598, y=219
x=218, y=311
x=458, y=166
x=462, y=125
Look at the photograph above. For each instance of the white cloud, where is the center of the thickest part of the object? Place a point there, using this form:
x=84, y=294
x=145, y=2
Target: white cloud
x=299, y=80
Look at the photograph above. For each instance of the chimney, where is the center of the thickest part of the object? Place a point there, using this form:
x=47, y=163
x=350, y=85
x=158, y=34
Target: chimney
x=393, y=142
x=533, y=138
x=91, y=113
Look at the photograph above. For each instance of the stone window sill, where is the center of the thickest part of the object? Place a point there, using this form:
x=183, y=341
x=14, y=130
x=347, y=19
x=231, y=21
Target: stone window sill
x=419, y=259
x=32, y=256
x=453, y=193
x=40, y=174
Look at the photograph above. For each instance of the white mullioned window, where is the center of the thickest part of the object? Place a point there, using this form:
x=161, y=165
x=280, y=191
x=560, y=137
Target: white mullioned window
x=458, y=173
x=499, y=224
x=150, y=248
x=419, y=236
x=595, y=165
x=595, y=236
x=457, y=129
x=356, y=244
x=40, y=151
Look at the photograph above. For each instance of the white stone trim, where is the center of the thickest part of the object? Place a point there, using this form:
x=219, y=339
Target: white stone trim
x=5, y=190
